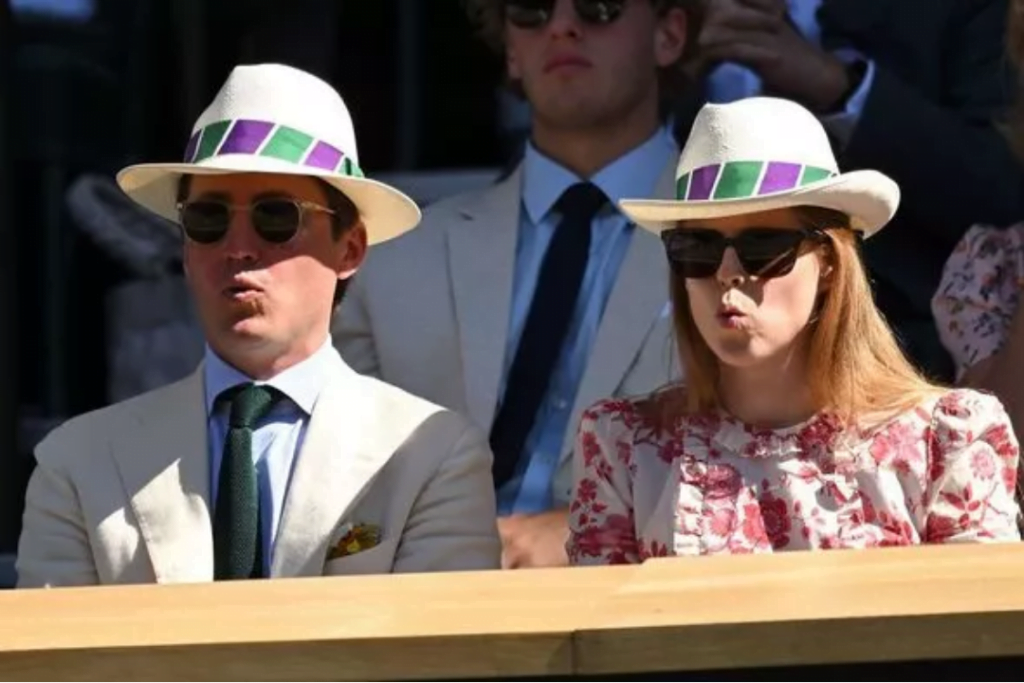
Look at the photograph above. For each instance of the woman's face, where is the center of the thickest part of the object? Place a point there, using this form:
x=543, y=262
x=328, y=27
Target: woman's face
x=752, y=299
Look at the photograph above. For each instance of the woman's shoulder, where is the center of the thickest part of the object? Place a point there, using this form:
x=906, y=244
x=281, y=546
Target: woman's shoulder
x=943, y=409
x=660, y=411
x=612, y=408
x=658, y=406
x=962, y=401
x=616, y=413
x=961, y=415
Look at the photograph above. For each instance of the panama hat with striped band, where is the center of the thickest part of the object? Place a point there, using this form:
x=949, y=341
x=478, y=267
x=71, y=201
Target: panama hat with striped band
x=759, y=154
x=271, y=118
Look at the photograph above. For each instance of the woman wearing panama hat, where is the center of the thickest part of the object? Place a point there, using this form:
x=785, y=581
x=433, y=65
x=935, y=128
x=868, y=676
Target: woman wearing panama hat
x=800, y=424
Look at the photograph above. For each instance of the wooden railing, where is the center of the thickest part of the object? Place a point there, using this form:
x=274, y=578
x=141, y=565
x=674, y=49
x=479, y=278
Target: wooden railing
x=938, y=605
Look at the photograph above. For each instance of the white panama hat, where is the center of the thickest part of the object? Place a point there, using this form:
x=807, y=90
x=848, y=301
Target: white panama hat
x=271, y=118
x=759, y=154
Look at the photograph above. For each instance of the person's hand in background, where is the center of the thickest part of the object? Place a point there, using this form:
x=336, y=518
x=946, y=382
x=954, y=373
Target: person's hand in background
x=759, y=35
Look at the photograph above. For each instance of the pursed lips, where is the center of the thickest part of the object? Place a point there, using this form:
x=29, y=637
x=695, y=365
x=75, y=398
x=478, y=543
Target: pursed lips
x=242, y=287
x=566, y=61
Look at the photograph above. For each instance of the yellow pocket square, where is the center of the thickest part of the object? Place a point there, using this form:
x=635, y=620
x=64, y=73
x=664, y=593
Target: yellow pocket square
x=355, y=539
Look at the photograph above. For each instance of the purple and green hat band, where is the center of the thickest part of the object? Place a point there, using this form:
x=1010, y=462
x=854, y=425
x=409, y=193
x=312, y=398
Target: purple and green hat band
x=746, y=179
x=268, y=139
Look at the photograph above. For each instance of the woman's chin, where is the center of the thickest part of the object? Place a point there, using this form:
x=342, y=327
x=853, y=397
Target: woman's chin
x=741, y=353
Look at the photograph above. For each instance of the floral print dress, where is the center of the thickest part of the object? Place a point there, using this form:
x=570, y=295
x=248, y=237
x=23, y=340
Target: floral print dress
x=979, y=293
x=943, y=472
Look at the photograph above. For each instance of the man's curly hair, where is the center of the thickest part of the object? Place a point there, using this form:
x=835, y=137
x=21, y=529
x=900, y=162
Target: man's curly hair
x=489, y=19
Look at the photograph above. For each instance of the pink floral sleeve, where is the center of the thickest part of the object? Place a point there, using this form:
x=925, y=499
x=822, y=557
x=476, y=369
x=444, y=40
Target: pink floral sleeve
x=601, y=526
x=978, y=293
x=972, y=477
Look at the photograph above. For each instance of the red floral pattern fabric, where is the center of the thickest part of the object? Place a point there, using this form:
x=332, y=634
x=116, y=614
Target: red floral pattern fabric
x=943, y=472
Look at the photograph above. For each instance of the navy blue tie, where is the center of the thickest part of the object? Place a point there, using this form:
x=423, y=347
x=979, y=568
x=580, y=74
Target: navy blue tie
x=547, y=325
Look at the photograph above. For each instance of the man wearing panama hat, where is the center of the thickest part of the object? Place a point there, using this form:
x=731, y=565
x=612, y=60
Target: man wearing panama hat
x=273, y=458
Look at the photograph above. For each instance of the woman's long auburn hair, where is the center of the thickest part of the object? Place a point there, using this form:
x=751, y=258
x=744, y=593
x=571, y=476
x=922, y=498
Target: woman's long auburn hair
x=856, y=367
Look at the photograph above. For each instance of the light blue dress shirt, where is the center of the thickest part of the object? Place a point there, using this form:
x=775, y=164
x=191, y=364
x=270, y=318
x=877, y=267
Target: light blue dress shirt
x=277, y=439
x=730, y=82
x=636, y=174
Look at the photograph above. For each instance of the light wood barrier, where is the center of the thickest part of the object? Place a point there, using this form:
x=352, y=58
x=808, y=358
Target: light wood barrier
x=935, y=608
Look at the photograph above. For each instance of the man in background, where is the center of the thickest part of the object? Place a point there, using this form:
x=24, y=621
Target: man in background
x=523, y=303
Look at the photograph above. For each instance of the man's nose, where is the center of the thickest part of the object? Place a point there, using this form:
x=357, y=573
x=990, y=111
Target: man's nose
x=564, y=19
x=241, y=243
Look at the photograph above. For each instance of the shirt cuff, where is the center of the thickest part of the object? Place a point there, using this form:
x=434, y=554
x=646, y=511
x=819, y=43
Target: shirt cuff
x=843, y=123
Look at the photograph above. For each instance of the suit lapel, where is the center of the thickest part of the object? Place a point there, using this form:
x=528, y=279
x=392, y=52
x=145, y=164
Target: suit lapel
x=481, y=260
x=347, y=441
x=163, y=459
x=636, y=300
x=481, y=250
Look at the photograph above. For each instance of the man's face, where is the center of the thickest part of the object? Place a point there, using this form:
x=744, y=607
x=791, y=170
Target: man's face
x=579, y=73
x=263, y=288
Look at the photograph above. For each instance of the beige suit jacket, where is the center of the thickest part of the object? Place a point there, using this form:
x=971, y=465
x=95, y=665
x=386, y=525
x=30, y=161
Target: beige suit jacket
x=122, y=494
x=429, y=312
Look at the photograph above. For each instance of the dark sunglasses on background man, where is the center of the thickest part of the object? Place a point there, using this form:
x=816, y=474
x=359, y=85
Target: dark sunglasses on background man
x=275, y=220
x=697, y=253
x=537, y=13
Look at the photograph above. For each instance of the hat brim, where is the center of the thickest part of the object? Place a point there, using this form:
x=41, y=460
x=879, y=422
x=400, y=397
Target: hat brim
x=386, y=211
x=869, y=198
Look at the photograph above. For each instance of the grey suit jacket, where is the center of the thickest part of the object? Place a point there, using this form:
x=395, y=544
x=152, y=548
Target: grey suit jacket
x=429, y=312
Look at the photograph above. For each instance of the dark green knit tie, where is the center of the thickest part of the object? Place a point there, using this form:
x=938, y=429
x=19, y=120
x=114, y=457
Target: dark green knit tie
x=237, y=542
